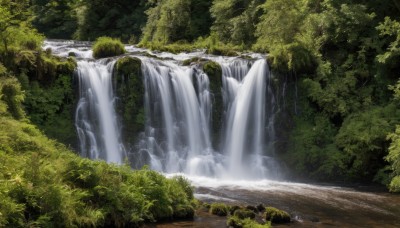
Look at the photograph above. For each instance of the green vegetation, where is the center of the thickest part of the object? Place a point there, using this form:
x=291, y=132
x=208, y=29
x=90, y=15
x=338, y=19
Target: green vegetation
x=236, y=222
x=276, y=216
x=219, y=209
x=107, y=47
x=45, y=184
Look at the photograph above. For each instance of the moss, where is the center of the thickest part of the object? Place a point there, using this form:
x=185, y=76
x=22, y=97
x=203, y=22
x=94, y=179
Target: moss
x=214, y=72
x=235, y=222
x=232, y=209
x=219, y=209
x=222, y=51
x=188, y=62
x=107, y=47
x=244, y=213
x=276, y=216
x=128, y=81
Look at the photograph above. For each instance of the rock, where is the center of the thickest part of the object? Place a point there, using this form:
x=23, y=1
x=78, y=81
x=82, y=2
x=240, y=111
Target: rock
x=129, y=88
x=244, y=213
x=260, y=207
x=276, y=216
x=232, y=209
x=219, y=209
x=252, y=208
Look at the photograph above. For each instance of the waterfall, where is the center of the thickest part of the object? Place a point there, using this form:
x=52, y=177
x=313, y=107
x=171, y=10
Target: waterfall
x=179, y=113
x=95, y=117
x=177, y=137
x=245, y=101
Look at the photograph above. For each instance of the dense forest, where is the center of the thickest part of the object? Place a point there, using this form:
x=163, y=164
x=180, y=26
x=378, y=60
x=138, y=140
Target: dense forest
x=341, y=57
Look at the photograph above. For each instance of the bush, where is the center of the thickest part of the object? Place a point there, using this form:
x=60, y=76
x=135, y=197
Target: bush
x=276, y=216
x=107, y=47
x=219, y=209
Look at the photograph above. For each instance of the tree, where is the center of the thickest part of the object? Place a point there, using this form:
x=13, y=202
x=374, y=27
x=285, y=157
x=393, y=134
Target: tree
x=56, y=19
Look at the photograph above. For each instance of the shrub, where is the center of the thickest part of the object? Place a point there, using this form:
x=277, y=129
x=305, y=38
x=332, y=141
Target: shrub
x=107, y=47
x=276, y=216
x=219, y=209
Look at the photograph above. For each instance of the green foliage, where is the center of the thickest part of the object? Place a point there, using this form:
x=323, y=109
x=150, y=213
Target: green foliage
x=15, y=28
x=107, y=47
x=56, y=19
x=115, y=18
x=391, y=29
x=394, y=158
x=12, y=95
x=276, y=216
x=219, y=209
x=170, y=21
x=235, y=20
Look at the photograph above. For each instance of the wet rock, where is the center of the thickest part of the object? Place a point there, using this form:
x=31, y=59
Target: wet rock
x=276, y=216
x=260, y=207
x=244, y=213
x=252, y=208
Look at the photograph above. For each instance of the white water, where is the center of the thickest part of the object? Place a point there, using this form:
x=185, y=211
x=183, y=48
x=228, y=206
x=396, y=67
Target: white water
x=178, y=119
x=95, y=117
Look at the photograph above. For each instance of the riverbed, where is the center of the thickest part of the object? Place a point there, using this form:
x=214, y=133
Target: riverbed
x=309, y=205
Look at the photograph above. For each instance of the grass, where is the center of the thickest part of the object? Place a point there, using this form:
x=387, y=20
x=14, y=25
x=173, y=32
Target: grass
x=107, y=47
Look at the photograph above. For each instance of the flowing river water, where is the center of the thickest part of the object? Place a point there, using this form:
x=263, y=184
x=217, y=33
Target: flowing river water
x=243, y=171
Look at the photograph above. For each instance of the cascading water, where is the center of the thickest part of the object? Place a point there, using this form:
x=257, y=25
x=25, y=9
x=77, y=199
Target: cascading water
x=178, y=119
x=245, y=100
x=95, y=117
x=179, y=114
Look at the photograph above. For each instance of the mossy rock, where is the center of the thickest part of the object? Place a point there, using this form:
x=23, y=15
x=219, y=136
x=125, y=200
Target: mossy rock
x=188, y=62
x=276, y=216
x=219, y=209
x=214, y=72
x=50, y=101
x=184, y=212
x=232, y=209
x=222, y=51
x=128, y=81
x=244, y=213
x=107, y=47
x=234, y=221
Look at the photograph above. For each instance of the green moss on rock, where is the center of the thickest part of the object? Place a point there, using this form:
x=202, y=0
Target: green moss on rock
x=219, y=209
x=214, y=72
x=276, y=216
x=128, y=81
x=244, y=213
